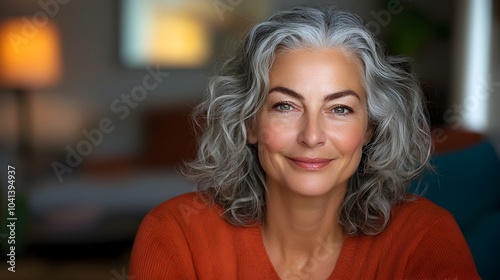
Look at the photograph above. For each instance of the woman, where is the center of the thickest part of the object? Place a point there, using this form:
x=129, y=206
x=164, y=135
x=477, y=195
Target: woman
x=311, y=135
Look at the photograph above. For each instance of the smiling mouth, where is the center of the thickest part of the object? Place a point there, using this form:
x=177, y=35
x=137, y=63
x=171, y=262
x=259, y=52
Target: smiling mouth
x=311, y=163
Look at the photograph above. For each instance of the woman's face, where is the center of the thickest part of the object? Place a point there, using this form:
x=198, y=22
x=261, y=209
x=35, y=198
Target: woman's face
x=313, y=124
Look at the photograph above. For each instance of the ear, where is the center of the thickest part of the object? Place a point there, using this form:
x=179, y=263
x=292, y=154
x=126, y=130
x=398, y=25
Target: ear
x=251, y=135
x=368, y=134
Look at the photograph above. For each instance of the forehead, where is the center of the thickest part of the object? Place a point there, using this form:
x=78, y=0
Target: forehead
x=318, y=70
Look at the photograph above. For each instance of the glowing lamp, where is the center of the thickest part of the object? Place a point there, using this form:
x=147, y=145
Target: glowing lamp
x=29, y=60
x=29, y=54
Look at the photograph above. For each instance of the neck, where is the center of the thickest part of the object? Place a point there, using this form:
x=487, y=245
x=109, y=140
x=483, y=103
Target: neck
x=299, y=227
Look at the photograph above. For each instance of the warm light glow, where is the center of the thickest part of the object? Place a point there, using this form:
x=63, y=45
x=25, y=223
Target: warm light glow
x=178, y=40
x=29, y=54
x=168, y=33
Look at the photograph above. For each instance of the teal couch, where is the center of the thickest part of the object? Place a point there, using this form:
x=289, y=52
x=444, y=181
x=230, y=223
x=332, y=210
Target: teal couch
x=467, y=183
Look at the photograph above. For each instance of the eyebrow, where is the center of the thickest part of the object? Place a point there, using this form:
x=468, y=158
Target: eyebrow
x=329, y=97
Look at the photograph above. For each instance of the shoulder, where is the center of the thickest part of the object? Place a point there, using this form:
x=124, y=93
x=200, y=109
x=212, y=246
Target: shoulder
x=413, y=220
x=189, y=209
x=421, y=241
x=170, y=207
x=420, y=205
x=436, y=243
x=419, y=210
x=420, y=219
x=173, y=239
x=181, y=217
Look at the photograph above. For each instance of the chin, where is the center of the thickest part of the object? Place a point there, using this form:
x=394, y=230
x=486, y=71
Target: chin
x=313, y=188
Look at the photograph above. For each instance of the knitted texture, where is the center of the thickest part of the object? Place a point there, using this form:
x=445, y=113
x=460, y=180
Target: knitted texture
x=184, y=238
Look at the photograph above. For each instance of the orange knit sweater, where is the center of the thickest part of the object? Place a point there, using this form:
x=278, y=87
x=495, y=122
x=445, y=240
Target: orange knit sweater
x=183, y=238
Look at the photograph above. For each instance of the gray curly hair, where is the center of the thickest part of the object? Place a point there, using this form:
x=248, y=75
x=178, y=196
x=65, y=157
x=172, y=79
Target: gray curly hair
x=227, y=167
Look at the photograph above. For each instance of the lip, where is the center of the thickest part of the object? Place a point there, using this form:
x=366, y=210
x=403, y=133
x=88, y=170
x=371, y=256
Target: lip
x=310, y=163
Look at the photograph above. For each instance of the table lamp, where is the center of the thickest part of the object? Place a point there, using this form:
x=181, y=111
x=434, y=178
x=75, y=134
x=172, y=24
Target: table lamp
x=29, y=60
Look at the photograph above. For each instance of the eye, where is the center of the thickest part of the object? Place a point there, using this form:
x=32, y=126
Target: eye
x=342, y=110
x=283, y=106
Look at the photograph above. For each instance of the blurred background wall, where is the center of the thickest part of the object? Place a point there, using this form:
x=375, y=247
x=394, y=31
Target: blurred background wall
x=97, y=135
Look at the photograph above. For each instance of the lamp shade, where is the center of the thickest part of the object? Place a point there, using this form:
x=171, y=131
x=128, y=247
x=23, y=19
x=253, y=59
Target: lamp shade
x=29, y=54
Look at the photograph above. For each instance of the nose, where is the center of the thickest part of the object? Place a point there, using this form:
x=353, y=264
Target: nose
x=312, y=131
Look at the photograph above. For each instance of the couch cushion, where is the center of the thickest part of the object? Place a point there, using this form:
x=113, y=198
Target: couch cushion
x=467, y=182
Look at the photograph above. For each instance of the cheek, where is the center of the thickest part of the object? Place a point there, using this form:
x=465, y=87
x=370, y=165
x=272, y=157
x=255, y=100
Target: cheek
x=273, y=135
x=349, y=140
x=266, y=135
